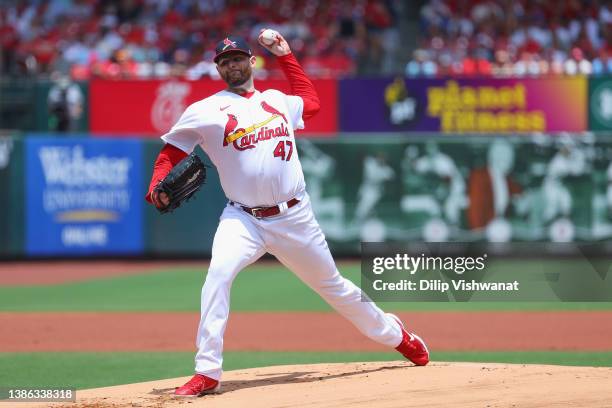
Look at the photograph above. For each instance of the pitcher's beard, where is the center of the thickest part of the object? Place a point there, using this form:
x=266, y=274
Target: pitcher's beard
x=235, y=81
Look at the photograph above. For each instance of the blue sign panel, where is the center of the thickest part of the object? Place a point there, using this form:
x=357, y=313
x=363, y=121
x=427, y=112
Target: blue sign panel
x=83, y=196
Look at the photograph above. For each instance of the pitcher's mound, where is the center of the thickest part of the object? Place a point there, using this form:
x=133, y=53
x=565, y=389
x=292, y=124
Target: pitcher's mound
x=380, y=384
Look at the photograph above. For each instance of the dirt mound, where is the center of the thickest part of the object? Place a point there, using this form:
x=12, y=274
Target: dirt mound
x=381, y=384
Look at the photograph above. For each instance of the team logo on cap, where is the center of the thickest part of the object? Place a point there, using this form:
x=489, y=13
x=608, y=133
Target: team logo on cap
x=228, y=43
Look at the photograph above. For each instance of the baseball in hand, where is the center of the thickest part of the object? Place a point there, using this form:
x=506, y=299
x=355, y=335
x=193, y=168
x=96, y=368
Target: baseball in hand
x=268, y=36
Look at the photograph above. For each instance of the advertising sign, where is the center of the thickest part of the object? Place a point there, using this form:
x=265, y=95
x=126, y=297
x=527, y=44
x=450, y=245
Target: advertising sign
x=461, y=189
x=151, y=107
x=83, y=196
x=600, y=104
x=6, y=156
x=463, y=105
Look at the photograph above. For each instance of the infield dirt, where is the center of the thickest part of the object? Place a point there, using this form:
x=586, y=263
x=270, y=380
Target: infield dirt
x=388, y=384
x=286, y=331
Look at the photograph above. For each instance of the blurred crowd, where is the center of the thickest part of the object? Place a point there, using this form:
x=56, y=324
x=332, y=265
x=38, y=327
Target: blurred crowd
x=175, y=38
x=513, y=38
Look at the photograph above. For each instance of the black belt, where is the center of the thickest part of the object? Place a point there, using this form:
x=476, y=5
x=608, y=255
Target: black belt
x=263, y=212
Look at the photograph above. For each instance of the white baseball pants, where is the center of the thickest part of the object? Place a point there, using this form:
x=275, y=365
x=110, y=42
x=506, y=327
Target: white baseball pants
x=297, y=241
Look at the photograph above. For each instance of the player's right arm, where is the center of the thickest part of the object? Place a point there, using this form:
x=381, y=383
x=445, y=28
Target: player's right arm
x=300, y=84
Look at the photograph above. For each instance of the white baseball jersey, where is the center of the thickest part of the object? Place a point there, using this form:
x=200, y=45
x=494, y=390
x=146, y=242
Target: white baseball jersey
x=250, y=141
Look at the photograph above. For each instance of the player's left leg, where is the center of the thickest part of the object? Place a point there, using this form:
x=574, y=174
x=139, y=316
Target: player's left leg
x=298, y=242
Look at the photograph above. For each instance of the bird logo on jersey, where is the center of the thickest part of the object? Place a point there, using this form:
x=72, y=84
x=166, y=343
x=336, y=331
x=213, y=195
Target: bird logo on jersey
x=243, y=139
x=273, y=111
x=230, y=126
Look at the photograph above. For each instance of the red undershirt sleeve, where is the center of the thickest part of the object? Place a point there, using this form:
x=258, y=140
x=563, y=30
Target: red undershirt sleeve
x=168, y=157
x=300, y=84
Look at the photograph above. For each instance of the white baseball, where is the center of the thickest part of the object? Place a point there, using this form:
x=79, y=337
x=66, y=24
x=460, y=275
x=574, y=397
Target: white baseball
x=268, y=36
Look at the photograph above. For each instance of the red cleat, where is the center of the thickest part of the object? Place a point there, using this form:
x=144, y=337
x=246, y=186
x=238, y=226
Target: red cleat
x=412, y=346
x=198, y=385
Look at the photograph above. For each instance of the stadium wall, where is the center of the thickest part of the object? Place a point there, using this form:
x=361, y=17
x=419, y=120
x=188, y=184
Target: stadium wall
x=422, y=164
x=84, y=197
x=148, y=108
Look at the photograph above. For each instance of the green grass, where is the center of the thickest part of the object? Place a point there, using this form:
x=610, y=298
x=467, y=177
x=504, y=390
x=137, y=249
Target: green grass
x=90, y=370
x=566, y=358
x=259, y=288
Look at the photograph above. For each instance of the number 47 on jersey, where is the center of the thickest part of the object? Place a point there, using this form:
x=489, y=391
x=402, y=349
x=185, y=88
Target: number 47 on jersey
x=279, y=150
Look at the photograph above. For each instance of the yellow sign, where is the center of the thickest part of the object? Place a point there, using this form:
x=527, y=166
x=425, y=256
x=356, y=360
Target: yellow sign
x=483, y=108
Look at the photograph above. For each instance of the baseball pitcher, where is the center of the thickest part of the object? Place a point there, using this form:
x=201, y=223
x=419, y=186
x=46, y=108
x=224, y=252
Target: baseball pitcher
x=249, y=136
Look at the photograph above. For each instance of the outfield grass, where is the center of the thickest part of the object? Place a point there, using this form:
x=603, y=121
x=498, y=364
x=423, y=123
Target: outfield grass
x=91, y=370
x=262, y=287
x=259, y=288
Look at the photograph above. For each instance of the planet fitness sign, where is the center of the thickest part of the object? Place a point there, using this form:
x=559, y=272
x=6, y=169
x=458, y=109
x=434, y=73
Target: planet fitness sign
x=463, y=105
